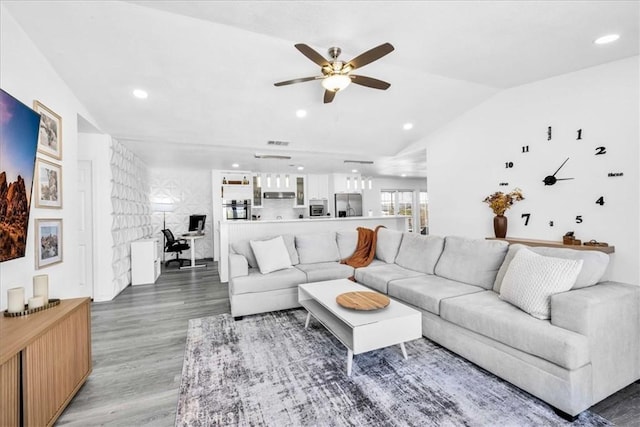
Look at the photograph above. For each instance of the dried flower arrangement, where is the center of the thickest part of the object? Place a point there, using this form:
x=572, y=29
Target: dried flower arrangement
x=500, y=202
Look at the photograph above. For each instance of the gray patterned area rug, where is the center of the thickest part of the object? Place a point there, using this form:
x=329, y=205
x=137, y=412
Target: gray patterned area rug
x=268, y=370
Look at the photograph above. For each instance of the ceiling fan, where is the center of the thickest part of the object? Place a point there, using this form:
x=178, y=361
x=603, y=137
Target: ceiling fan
x=336, y=74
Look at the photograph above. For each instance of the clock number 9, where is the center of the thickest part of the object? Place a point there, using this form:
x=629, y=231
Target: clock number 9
x=508, y=165
x=526, y=217
x=578, y=219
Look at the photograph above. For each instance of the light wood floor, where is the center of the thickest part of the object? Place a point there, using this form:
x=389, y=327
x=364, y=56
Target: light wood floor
x=138, y=348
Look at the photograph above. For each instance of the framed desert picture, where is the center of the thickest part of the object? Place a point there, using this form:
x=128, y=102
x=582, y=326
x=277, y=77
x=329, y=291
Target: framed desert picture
x=50, y=135
x=48, y=192
x=48, y=242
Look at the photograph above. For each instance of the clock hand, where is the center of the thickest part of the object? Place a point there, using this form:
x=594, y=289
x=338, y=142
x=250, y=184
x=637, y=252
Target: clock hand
x=560, y=167
x=563, y=179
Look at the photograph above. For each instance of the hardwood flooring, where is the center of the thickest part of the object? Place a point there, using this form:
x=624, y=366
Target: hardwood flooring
x=138, y=348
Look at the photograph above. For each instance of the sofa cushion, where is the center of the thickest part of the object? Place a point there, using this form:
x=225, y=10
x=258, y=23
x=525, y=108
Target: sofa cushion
x=317, y=247
x=531, y=280
x=271, y=255
x=593, y=267
x=419, y=253
x=326, y=271
x=243, y=247
x=387, y=244
x=472, y=261
x=427, y=291
x=486, y=314
x=258, y=282
x=347, y=243
x=377, y=277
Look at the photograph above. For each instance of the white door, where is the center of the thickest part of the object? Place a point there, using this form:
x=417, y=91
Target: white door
x=85, y=227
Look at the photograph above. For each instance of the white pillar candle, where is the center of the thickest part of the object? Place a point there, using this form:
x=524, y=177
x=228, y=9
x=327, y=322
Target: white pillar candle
x=36, y=302
x=15, y=298
x=41, y=287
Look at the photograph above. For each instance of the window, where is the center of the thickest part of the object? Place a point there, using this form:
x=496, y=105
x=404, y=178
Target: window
x=424, y=218
x=397, y=202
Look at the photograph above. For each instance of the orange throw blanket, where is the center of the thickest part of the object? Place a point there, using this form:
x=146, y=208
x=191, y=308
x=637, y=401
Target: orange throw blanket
x=365, y=249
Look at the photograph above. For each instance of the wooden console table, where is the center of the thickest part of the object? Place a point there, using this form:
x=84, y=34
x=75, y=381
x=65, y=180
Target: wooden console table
x=45, y=358
x=552, y=244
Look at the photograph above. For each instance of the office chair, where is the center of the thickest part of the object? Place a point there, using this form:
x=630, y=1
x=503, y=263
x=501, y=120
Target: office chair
x=175, y=246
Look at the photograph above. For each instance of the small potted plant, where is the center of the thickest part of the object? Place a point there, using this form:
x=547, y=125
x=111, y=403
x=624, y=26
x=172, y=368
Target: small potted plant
x=499, y=202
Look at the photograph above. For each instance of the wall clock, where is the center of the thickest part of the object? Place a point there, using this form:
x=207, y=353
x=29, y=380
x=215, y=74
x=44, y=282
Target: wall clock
x=566, y=176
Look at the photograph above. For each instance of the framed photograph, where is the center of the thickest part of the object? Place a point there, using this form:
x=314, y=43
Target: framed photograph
x=48, y=242
x=48, y=184
x=50, y=135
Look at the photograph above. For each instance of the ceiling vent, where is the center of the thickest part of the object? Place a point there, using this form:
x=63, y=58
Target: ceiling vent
x=278, y=143
x=272, y=156
x=360, y=162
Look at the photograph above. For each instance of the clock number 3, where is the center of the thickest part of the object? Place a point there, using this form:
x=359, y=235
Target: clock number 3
x=526, y=217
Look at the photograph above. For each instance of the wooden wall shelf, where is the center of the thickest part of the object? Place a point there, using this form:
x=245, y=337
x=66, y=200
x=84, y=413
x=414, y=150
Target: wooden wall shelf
x=554, y=244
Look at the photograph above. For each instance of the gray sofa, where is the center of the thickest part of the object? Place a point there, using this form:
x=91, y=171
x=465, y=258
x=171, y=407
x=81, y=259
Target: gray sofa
x=586, y=351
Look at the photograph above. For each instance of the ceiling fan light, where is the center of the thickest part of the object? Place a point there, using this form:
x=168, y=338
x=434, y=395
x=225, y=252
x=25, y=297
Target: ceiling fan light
x=336, y=82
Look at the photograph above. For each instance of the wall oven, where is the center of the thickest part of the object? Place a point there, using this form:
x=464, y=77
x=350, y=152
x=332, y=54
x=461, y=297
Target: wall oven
x=237, y=210
x=316, y=210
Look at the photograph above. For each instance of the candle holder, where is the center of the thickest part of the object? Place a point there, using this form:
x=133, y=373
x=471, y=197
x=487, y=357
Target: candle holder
x=52, y=303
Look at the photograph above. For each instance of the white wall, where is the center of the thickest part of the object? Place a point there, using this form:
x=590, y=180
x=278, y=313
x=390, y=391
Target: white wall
x=25, y=74
x=190, y=193
x=466, y=162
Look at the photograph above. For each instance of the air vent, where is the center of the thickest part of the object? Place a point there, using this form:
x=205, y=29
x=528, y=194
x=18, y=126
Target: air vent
x=278, y=143
x=272, y=156
x=360, y=162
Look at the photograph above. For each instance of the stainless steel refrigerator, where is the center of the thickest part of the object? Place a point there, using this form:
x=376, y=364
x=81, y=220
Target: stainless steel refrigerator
x=348, y=204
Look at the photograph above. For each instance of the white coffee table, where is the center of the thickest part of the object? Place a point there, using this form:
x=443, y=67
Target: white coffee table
x=359, y=331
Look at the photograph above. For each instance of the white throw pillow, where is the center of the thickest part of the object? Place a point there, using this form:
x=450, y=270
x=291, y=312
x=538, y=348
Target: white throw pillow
x=531, y=279
x=271, y=255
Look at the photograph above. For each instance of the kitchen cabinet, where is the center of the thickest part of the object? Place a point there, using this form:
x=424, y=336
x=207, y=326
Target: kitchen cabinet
x=317, y=187
x=236, y=185
x=300, y=190
x=346, y=183
x=257, y=192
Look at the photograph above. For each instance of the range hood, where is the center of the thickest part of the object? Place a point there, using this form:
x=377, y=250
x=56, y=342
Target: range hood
x=279, y=195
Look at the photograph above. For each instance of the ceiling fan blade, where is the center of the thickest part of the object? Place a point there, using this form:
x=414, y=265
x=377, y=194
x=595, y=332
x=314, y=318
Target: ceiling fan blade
x=371, y=55
x=312, y=54
x=370, y=82
x=328, y=96
x=300, y=80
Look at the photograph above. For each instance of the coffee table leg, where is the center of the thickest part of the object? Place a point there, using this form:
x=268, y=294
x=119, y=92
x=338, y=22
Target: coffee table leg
x=404, y=350
x=349, y=362
x=306, y=324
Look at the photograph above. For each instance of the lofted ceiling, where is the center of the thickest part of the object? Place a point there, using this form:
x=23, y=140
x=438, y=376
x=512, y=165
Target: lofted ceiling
x=209, y=69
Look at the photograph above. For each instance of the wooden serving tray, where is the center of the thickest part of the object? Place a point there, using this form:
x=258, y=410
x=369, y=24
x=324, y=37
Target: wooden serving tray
x=52, y=303
x=363, y=300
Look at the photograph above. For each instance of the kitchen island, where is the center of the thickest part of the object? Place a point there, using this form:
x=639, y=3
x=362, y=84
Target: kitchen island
x=233, y=231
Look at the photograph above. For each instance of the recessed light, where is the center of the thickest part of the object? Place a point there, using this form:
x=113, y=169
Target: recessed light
x=606, y=39
x=235, y=165
x=354, y=170
x=404, y=175
x=407, y=126
x=301, y=113
x=300, y=168
x=140, y=94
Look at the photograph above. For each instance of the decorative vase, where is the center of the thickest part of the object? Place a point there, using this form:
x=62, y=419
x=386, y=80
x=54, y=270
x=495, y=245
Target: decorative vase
x=500, y=226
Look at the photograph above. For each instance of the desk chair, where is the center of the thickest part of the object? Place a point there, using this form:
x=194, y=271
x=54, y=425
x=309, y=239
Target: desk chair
x=175, y=246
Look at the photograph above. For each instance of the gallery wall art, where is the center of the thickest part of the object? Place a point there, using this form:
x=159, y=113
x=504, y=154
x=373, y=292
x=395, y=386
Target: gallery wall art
x=19, y=127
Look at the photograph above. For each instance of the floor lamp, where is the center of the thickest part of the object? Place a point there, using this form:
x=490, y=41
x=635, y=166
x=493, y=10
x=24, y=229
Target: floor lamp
x=163, y=207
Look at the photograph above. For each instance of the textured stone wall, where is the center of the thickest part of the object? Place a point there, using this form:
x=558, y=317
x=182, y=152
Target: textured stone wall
x=131, y=217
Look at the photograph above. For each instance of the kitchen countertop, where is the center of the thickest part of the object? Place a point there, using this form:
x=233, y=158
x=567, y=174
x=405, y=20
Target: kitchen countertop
x=316, y=219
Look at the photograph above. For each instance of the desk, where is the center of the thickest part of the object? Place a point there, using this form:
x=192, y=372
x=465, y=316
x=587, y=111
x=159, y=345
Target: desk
x=193, y=238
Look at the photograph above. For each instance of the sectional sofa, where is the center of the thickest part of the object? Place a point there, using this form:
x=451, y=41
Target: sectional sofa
x=469, y=292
